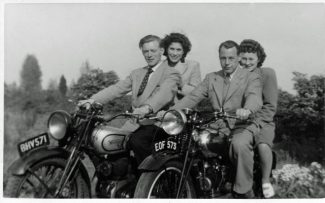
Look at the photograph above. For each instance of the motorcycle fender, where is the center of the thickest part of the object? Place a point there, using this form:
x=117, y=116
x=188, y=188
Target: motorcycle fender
x=155, y=162
x=21, y=165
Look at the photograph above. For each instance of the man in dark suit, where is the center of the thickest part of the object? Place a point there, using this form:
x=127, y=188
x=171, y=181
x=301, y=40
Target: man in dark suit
x=232, y=89
x=153, y=88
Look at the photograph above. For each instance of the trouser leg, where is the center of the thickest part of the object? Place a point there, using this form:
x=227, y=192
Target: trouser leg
x=242, y=156
x=141, y=141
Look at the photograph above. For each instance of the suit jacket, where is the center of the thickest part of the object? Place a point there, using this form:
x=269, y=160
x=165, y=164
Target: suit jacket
x=191, y=75
x=159, y=92
x=245, y=91
x=269, y=95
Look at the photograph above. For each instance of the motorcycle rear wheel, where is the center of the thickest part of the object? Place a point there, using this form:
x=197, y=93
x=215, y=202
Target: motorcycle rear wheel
x=164, y=183
x=46, y=173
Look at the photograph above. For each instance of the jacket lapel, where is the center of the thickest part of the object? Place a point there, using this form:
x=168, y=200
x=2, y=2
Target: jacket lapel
x=153, y=81
x=218, y=86
x=181, y=67
x=234, y=83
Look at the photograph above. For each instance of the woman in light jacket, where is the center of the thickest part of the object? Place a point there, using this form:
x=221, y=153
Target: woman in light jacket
x=177, y=47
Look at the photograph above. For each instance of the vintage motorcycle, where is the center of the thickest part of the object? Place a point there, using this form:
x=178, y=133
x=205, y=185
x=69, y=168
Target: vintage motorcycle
x=192, y=160
x=45, y=171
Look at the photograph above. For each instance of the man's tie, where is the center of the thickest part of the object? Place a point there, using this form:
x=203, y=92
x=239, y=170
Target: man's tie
x=144, y=81
x=225, y=88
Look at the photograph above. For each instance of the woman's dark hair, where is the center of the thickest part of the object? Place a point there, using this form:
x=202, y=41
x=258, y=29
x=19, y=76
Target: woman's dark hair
x=177, y=37
x=252, y=46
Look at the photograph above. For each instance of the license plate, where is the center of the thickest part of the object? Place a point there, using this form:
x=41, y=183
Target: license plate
x=33, y=143
x=165, y=145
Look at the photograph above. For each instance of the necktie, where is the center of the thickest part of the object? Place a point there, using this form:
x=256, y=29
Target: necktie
x=225, y=88
x=144, y=81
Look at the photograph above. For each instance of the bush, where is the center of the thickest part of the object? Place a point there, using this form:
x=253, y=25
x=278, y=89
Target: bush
x=95, y=80
x=300, y=119
x=294, y=181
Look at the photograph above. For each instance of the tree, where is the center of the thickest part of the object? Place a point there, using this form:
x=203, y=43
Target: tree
x=52, y=85
x=301, y=118
x=85, y=68
x=31, y=76
x=12, y=95
x=63, y=86
x=93, y=82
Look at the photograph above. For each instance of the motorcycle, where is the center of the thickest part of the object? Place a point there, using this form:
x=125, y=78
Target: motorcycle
x=192, y=160
x=56, y=170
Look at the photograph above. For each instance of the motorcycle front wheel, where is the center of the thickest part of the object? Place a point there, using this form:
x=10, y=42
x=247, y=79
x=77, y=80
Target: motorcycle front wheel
x=164, y=183
x=42, y=179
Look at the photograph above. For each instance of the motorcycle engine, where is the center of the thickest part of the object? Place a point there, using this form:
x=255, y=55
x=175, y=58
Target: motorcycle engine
x=213, y=179
x=115, y=179
x=113, y=169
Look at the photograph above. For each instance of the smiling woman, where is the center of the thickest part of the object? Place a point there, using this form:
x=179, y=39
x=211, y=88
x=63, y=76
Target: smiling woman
x=177, y=46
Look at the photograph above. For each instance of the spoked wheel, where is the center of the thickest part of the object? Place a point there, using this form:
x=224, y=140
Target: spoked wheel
x=42, y=179
x=164, y=183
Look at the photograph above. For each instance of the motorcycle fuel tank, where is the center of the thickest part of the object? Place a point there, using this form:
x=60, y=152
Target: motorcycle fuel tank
x=109, y=140
x=213, y=142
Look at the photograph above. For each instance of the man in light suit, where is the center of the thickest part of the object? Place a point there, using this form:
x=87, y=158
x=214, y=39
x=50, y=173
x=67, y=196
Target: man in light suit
x=232, y=89
x=153, y=88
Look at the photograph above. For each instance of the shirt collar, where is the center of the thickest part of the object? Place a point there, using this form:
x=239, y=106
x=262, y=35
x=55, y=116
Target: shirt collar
x=233, y=73
x=156, y=66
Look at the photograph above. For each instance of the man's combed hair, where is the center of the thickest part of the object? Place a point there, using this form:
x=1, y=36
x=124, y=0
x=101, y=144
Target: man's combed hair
x=180, y=38
x=229, y=44
x=149, y=38
x=252, y=46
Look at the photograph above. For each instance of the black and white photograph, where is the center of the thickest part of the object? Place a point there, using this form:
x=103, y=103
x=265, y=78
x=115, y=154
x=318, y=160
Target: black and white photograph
x=163, y=100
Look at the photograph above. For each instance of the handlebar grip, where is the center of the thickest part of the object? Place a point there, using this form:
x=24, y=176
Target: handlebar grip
x=150, y=116
x=104, y=118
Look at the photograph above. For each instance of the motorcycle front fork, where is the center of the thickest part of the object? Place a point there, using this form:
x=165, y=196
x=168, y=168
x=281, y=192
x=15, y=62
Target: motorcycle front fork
x=185, y=171
x=72, y=162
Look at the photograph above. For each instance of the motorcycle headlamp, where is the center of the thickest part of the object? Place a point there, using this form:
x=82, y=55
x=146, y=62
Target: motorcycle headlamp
x=58, y=124
x=174, y=122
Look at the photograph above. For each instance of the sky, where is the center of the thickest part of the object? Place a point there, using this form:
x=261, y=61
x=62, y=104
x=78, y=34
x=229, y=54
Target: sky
x=63, y=36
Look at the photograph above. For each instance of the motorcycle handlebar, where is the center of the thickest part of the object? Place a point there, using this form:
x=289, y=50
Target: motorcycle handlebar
x=108, y=118
x=220, y=115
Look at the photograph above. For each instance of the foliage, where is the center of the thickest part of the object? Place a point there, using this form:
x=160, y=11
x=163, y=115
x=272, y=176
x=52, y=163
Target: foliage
x=96, y=80
x=31, y=75
x=12, y=95
x=52, y=85
x=85, y=68
x=63, y=86
x=293, y=181
x=300, y=119
x=92, y=82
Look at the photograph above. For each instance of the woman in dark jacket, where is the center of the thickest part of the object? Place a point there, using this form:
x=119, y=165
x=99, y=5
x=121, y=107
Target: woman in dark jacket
x=252, y=57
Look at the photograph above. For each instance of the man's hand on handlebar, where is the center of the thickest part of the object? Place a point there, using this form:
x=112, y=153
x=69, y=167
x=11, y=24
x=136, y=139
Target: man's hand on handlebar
x=142, y=110
x=243, y=114
x=85, y=103
x=161, y=113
